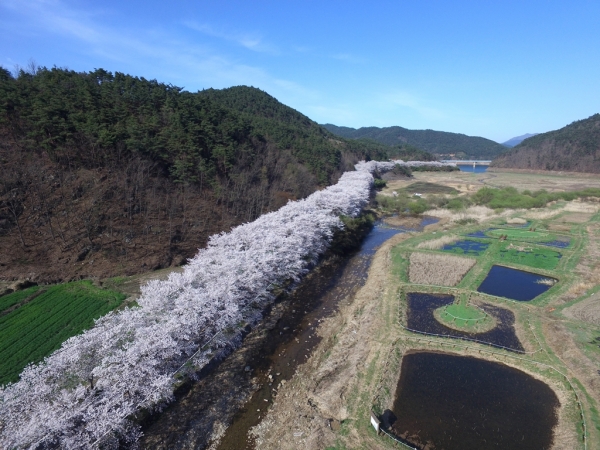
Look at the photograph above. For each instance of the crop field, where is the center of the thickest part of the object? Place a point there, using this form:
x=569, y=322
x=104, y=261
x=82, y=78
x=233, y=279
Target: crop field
x=429, y=188
x=10, y=300
x=38, y=327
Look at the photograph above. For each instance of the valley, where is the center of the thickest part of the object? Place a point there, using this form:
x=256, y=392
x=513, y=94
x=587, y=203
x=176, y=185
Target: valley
x=356, y=366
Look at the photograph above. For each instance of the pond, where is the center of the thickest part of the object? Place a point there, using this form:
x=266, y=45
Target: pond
x=452, y=402
x=466, y=246
x=515, y=284
x=420, y=318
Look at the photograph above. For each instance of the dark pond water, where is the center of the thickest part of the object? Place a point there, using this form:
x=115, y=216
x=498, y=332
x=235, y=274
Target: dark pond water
x=476, y=169
x=467, y=246
x=420, y=318
x=514, y=284
x=283, y=341
x=463, y=403
x=557, y=243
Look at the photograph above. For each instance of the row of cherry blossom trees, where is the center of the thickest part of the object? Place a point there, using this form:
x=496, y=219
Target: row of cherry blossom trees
x=85, y=393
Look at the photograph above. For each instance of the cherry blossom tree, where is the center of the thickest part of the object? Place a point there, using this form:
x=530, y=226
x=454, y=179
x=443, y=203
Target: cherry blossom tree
x=84, y=393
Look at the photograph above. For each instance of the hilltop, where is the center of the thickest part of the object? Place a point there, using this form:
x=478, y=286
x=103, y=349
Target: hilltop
x=109, y=174
x=518, y=139
x=574, y=148
x=440, y=143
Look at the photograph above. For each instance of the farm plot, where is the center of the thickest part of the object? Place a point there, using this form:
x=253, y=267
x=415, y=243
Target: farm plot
x=10, y=300
x=37, y=328
x=438, y=269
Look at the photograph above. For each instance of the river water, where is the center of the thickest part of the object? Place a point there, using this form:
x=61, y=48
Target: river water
x=238, y=391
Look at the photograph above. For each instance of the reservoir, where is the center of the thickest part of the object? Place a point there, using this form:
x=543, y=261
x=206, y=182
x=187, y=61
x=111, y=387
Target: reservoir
x=456, y=402
x=473, y=166
x=470, y=168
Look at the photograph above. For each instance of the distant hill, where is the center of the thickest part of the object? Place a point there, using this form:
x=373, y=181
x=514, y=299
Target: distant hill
x=440, y=143
x=107, y=174
x=574, y=148
x=517, y=140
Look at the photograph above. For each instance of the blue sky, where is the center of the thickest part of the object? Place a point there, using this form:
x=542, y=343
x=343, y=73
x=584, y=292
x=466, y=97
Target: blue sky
x=496, y=69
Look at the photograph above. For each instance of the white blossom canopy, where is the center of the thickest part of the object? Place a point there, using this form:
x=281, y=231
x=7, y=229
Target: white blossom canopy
x=82, y=394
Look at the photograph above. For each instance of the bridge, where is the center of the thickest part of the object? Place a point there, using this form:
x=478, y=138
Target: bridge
x=467, y=162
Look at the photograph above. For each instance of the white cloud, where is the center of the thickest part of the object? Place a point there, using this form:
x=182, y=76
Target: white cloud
x=250, y=41
x=160, y=53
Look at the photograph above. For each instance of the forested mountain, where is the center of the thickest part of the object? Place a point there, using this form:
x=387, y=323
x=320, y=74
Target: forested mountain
x=440, y=143
x=575, y=148
x=518, y=139
x=106, y=174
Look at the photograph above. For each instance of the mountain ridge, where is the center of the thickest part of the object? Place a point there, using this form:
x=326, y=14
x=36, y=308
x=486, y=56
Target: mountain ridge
x=441, y=143
x=518, y=139
x=573, y=148
x=109, y=174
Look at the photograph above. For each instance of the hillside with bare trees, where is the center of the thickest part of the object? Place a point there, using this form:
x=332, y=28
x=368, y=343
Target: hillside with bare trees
x=108, y=174
x=574, y=148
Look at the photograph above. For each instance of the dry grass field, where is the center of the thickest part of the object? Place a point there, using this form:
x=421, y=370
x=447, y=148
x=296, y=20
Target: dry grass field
x=438, y=269
x=516, y=221
x=471, y=182
x=435, y=244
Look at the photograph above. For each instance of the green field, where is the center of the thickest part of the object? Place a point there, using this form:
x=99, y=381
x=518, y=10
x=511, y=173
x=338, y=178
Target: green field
x=539, y=258
x=464, y=317
x=520, y=234
x=38, y=327
x=7, y=301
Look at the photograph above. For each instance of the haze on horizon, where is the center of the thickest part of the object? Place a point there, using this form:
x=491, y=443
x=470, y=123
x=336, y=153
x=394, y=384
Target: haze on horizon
x=496, y=70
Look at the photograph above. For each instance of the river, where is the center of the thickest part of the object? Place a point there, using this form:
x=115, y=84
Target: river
x=238, y=391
